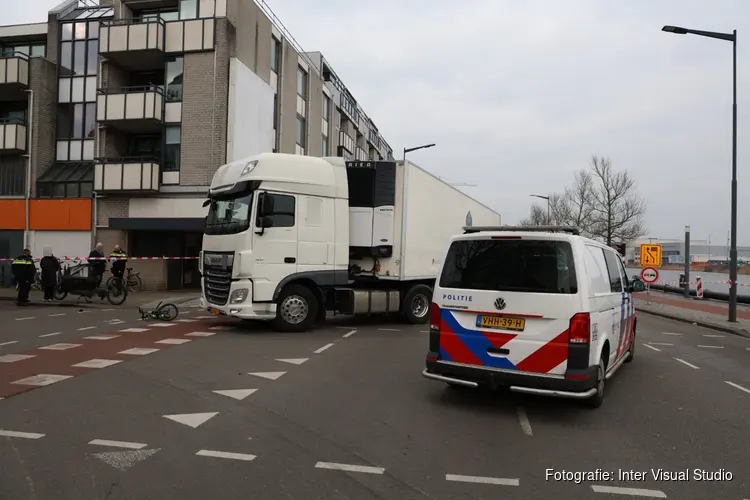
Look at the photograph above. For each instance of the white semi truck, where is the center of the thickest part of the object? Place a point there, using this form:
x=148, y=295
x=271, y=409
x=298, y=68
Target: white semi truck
x=290, y=237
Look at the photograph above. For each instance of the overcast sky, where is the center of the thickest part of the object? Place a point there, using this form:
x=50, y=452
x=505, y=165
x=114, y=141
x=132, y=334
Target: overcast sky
x=518, y=95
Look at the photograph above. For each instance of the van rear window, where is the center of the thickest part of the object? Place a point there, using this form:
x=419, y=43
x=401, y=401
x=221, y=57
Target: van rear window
x=536, y=266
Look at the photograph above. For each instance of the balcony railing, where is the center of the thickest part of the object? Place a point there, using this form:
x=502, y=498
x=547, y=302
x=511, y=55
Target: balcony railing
x=133, y=43
x=346, y=142
x=12, y=135
x=14, y=70
x=137, y=105
x=127, y=174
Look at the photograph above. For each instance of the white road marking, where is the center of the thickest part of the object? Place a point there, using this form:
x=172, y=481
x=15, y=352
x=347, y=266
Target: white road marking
x=186, y=320
x=238, y=394
x=86, y=328
x=221, y=328
x=16, y=434
x=138, y=351
x=635, y=492
x=501, y=481
x=118, y=444
x=524, y=419
x=660, y=343
x=342, y=327
x=26, y=318
x=738, y=386
x=173, y=341
x=50, y=334
x=135, y=330
x=225, y=454
x=389, y=329
x=713, y=336
x=686, y=363
x=123, y=460
x=9, y=343
x=712, y=346
x=424, y=331
x=42, y=379
x=55, y=315
x=293, y=361
x=102, y=337
x=349, y=467
x=200, y=334
x=12, y=358
x=60, y=347
x=268, y=375
x=652, y=347
x=98, y=363
x=107, y=310
x=667, y=333
x=327, y=346
x=349, y=334
x=191, y=419
x=161, y=325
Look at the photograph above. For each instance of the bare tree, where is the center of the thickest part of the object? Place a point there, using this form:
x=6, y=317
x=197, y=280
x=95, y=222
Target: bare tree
x=541, y=216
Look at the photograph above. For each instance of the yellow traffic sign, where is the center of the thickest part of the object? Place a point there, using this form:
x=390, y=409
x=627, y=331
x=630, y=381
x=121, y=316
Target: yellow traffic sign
x=651, y=255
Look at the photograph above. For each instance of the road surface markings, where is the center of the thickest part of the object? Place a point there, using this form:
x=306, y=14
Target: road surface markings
x=16, y=434
x=160, y=325
x=192, y=419
x=102, y=337
x=349, y=467
x=187, y=320
x=107, y=310
x=98, y=363
x=660, y=343
x=200, y=334
x=118, y=444
x=501, y=481
x=737, y=386
x=221, y=328
x=342, y=327
x=173, y=341
x=12, y=358
x=389, y=329
x=652, y=347
x=714, y=336
x=26, y=318
x=238, y=394
x=349, y=334
x=524, y=419
x=634, y=492
x=50, y=334
x=712, y=346
x=206, y=317
x=135, y=330
x=327, y=346
x=123, y=460
x=55, y=315
x=9, y=343
x=293, y=361
x=667, y=333
x=225, y=454
x=60, y=347
x=42, y=379
x=87, y=328
x=686, y=363
x=138, y=351
x=268, y=375
x=424, y=331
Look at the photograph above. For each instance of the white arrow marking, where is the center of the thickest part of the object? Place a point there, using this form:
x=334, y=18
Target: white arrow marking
x=238, y=394
x=123, y=460
x=192, y=419
x=294, y=361
x=268, y=375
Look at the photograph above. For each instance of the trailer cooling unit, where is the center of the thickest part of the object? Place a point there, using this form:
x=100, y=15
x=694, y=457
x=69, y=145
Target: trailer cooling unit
x=372, y=196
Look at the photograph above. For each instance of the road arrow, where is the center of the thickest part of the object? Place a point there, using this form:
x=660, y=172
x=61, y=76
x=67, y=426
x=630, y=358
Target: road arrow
x=294, y=361
x=268, y=375
x=238, y=394
x=123, y=460
x=192, y=419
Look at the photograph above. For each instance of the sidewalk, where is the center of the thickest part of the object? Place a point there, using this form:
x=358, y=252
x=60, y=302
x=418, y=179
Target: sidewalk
x=707, y=313
x=181, y=298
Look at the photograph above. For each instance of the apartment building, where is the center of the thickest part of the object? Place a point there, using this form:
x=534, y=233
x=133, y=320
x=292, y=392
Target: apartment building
x=120, y=113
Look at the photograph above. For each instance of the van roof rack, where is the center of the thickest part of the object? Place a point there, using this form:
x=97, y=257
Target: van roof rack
x=538, y=229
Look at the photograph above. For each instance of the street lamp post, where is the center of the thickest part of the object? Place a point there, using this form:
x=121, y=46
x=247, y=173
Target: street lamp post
x=416, y=148
x=544, y=198
x=730, y=37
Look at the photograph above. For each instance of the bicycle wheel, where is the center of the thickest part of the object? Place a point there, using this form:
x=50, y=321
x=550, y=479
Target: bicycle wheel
x=167, y=312
x=116, y=293
x=134, y=283
x=110, y=282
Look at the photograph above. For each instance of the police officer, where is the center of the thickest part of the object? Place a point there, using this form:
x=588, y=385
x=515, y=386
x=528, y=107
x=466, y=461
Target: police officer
x=119, y=261
x=24, y=271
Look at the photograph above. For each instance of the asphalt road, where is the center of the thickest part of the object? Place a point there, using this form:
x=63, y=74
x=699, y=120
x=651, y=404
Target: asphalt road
x=343, y=413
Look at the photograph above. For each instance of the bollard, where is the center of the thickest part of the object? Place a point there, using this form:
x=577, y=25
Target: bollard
x=699, y=287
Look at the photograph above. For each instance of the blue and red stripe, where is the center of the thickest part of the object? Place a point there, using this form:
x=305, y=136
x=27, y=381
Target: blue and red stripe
x=464, y=345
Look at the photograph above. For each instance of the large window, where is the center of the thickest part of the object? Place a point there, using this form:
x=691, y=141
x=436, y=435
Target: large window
x=278, y=209
x=301, y=82
x=275, y=55
x=76, y=121
x=229, y=215
x=513, y=265
x=12, y=177
x=326, y=107
x=172, y=149
x=34, y=49
x=173, y=79
x=79, y=50
x=301, y=131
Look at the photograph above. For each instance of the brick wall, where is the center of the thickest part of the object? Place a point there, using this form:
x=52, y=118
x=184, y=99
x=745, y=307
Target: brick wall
x=43, y=82
x=110, y=207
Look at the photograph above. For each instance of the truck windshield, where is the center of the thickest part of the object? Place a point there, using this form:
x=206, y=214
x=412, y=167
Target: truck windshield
x=229, y=215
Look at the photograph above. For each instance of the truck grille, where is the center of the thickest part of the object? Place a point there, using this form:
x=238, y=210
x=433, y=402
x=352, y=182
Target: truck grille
x=217, y=280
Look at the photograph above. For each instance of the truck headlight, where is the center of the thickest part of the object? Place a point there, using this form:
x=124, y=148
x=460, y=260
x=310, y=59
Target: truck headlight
x=238, y=296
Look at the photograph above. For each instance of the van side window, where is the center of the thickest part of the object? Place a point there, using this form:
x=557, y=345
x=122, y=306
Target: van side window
x=625, y=280
x=613, y=268
x=279, y=207
x=596, y=270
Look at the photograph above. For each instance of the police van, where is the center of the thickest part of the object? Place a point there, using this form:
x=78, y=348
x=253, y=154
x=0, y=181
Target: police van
x=536, y=309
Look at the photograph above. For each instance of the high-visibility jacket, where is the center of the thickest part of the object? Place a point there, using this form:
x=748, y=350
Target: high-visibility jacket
x=23, y=268
x=119, y=261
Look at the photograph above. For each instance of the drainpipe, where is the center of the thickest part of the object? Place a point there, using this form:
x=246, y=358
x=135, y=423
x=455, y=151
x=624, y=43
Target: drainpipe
x=30, y=155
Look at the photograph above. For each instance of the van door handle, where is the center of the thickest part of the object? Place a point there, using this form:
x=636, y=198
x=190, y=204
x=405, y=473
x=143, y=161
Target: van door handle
x=498, y=352
x=290, y=260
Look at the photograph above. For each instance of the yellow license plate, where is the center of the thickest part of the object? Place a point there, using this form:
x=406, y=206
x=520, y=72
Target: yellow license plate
x=501, y=323
x=215, y=311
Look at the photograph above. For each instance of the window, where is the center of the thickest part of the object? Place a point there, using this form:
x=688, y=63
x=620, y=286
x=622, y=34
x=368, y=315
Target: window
x=301, y=131
x=79, y=58
x=326, y=107
x=12, y=178
x=301, y=82
x=92, y=58
x=510, y=265
x=276, y=111
x=39, y=50
x=173, y=79
x=613, y=269
x=66, y=56
x=89, y=120
x=154, y=14
x=188, y=9
x=145, y=146
x=275, y=55
x=67, y=31
x=64, y=121
x=66, y=180
x=278, y=207
x=229, y=215
x=324, y=146
x=79, y=31
x=76, y=121
x=172, y=149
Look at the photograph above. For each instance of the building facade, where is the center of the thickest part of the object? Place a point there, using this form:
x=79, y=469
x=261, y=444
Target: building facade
x=120, y=114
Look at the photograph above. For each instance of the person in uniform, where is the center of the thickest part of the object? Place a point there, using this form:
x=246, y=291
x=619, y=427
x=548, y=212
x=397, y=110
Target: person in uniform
x=24, y=271
x=119, y=261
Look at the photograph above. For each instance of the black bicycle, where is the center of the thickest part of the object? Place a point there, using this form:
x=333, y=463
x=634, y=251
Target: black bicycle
x=162, y=312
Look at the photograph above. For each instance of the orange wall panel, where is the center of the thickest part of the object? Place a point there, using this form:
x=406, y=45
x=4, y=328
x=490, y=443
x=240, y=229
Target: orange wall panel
x=60, y=215
x=12, y=214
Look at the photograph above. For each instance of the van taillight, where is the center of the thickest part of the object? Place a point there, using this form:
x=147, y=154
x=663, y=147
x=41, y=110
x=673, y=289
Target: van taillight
x=580, y=329
x=435, y=317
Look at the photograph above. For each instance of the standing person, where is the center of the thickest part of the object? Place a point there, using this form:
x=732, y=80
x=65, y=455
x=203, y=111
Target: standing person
x=50, y=267
x=119, y=261
x=97, y=264
x=24, y=271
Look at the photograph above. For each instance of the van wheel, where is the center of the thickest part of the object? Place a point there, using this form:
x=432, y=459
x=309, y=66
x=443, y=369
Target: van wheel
x=631, y=349
x=415, y=308
x=297, y=309
x=596, y=400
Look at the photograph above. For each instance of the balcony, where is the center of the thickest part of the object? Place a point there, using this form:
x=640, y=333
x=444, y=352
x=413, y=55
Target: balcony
x=14, y=76
x=131, y=109
x=12, y=136
x=346, y=142
x=133, y=44
x=131, y=174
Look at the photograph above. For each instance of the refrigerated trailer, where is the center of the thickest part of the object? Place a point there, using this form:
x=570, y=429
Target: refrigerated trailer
x=289, y=238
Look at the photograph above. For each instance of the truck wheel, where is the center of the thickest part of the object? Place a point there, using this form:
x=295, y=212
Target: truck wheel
x=415, y=308
x=297, y=309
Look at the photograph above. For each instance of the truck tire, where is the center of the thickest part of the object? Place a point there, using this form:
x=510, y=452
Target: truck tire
x=415, y=308
x=297, y=309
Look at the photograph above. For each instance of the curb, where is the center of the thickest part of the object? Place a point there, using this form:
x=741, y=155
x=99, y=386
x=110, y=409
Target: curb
x=712, y=326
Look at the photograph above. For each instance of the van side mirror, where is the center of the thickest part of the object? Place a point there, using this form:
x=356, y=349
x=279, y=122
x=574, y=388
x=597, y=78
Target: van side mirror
x=637, y=286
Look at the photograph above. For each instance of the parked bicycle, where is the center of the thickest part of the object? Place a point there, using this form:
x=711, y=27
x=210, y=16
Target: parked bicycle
x=132, y=280
x=162, y=312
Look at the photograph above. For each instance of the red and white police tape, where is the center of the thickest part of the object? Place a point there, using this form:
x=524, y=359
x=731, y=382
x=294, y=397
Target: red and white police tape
x=85, y=259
